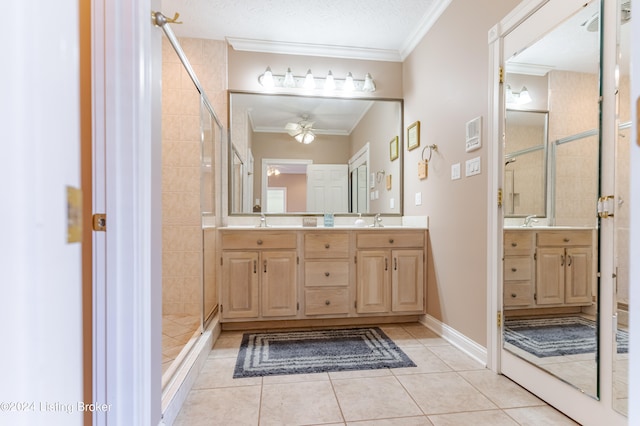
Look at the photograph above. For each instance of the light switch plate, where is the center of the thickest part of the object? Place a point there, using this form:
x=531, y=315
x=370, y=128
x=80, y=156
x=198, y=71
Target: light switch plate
x=473, y=166
x=418, y=198
x=455, y=171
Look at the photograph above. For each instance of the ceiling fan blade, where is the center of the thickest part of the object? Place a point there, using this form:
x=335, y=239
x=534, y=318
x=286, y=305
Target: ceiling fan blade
x=293, y=128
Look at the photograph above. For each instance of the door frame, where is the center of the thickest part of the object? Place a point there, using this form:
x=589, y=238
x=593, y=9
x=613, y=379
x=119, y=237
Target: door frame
x=127, y=258
x=567, y=399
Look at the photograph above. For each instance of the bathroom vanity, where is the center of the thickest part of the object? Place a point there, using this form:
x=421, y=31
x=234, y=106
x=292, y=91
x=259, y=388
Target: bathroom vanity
x=548, y=267
x=321, y=275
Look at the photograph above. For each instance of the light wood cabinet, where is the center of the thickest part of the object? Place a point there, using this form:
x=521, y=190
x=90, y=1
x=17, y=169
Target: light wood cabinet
x=390, y=272
x=519, y=249
x=322, y=275
x=326, y=273
x=547, y=268
x=259, y=283
x=564, y=268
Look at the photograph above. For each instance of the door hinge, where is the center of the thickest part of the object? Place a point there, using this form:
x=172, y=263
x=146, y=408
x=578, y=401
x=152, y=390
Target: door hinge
x=606, y=206
x=499, y=319
x=499, y=197
x=100, y=222
x=501, y=74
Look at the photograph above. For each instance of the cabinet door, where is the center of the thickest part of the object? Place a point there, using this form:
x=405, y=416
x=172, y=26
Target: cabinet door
x=279, y=287
x=407, y=281
x=578, y=273
x=240, y=285
x=550, y=275
x=373, y=287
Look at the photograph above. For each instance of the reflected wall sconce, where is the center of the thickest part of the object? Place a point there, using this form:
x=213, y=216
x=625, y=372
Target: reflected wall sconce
x=328, y=84
x=519, y=98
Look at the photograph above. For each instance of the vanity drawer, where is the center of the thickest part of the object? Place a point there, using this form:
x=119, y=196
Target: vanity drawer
x=325, y=245
x=518, y=242
x=259, y=240
x=517, y=268
x=324, y=273
x=326, y=301
x=565, y=238
x=381, y=239
x=518, y=294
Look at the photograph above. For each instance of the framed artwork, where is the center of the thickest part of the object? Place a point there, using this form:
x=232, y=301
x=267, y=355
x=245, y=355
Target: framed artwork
x=393, y=149
x=413, y=136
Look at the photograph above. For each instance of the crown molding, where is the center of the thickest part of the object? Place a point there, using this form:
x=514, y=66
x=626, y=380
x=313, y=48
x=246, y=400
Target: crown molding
x=305, y=49
x=427, y=21
x=527, y=69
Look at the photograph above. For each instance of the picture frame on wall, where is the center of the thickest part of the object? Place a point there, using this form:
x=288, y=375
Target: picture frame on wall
x=393, y=149
x=413, y=136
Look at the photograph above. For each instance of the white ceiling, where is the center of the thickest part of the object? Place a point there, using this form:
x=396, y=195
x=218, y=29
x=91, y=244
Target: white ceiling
x=366, y=29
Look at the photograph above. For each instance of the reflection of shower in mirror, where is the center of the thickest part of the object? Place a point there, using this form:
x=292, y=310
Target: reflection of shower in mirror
x=509, y=161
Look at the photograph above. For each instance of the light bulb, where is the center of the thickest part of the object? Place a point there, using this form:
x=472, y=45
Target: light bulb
x=369, y=85
x=267, y=79
x=289, y=81
x=329, y=83
x=348, y=83
x=309, y=82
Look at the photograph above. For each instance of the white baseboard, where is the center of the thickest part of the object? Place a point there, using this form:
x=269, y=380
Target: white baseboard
x=175, y=393
x=457, y=339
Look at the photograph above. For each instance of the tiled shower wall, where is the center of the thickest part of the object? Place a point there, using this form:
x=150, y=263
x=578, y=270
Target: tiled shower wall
x=181, y=229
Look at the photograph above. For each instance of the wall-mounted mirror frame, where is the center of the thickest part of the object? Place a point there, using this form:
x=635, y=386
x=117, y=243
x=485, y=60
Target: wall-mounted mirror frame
x=343, y=127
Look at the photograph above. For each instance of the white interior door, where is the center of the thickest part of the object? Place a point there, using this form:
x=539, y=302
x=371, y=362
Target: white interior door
x=328, y=188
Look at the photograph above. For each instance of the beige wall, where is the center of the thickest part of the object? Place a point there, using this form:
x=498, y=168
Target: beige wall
x=376, y=127
x=445, y=85
x=181, y=227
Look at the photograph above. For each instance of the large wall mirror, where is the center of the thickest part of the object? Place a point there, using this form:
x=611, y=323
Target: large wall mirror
x=552, y=181
x=314, y=155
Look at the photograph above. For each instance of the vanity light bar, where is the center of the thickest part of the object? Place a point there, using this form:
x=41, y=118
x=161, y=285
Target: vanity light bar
x=329, y=83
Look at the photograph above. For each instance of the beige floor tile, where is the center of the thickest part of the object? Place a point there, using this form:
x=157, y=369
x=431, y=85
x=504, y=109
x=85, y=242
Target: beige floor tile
x=228, y=406
x=476, y=418
x=226, y=346
x=374, y=398
x=396, y=421
x=425, y=360
x=500, y=390
x=302, y=403
x=378, y=372
x=218, y=373
x=456, y=359
x=293, y=378
x=440, y=393
x=401, y=337
x=425, y=336
x=536, y=416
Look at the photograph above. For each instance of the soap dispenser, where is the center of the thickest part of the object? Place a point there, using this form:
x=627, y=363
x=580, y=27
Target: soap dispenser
x=359, y=221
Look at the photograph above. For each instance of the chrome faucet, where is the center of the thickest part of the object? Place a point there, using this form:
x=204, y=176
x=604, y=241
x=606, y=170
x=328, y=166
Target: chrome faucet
x=529, y=220
x=377, y=221
x=263, y=221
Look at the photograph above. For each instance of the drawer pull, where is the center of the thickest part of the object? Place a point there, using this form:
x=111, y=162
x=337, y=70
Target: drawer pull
x=255, y=265
x=569, y=260
x=390, y=240
x=327, y=245
x=514, y=295
x=327, y=302
x=265, y=266
x=386, y=264
x=514, y=269
x=326, y=274
x=259, y=242
x=566, y=240
x=514, y=244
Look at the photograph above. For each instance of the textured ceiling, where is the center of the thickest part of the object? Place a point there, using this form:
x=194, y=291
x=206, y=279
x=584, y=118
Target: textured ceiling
x=382, y=29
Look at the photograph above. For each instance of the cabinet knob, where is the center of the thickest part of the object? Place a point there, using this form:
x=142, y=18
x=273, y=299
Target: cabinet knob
x=327, y=302
x=514, y=269
x=259, y=242
x=514, y=295
x=566, y=240
x=326, y=274
x=327, y=245
x=514, y=244
x=390, y=240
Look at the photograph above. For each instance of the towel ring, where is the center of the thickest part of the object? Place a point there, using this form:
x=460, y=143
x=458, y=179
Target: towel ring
x=431, y=148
